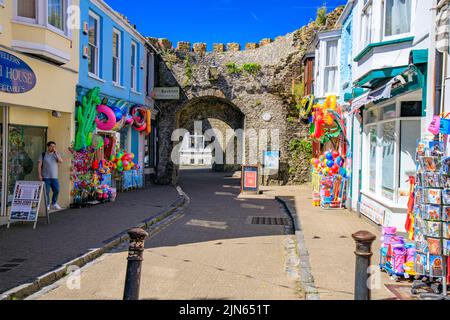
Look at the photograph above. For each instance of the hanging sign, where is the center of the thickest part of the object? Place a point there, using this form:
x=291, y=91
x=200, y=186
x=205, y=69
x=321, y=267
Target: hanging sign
x=15, y=75
x=250, y=179
x=26, y=203
x=166, y=93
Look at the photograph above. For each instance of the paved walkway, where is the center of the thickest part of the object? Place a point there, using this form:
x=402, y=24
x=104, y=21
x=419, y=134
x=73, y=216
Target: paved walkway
x=211, y=252
x=26, y=253
x=327, y=235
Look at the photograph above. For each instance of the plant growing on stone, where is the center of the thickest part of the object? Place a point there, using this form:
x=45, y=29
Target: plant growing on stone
x=252, y=68
x=300, y=148
x=169, y=57
x=321, y=17
x=232, y=68
x=187, y=71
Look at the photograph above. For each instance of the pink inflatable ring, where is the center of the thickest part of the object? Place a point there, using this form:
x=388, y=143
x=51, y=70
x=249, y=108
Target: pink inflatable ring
x=139, y=115
x=110, y=123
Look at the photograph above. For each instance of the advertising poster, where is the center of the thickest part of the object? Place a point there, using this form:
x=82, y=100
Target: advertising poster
x=249, y=179
x=26, y=202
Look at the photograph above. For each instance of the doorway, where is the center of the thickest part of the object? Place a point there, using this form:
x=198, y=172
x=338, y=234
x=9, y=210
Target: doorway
x=20, y=149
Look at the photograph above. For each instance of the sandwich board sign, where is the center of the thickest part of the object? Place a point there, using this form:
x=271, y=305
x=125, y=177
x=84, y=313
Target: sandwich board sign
x=27, y=204
x=250, y=179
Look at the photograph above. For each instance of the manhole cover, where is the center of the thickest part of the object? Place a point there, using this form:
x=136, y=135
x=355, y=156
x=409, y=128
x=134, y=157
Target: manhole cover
x=270, y=221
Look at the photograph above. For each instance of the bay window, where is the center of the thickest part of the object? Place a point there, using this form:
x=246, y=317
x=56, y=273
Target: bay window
x=397, y=17
x=56, y=13
x=116, y=54
x=27, y=10
x=94, y=41
x=391, y=134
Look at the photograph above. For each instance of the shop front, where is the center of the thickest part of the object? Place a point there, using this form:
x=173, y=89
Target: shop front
x=34, y=109
x=108, y=155
x=388, y=122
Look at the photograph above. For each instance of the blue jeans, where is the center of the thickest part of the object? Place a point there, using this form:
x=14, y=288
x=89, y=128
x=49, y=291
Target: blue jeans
x=54, y=185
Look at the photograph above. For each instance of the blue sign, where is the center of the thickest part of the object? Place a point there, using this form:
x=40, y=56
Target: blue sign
x=15, y=75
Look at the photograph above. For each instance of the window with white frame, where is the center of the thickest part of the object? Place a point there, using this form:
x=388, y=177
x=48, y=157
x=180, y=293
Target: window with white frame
x=56, y=13
x=391, y=133
x=116, y=56
x=94, y=43
x=397, y=17
x=48, y=13
x=27, y=10
x=134, y=66
x=330, y=67
x=366, y=23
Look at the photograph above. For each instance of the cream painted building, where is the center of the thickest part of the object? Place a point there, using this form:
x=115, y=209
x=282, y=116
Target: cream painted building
x=37, y=34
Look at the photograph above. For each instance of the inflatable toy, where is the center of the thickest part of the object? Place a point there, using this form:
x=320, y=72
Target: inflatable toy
x=110, y=118
x=86, y=114
x=139, y=115
x=148, y=129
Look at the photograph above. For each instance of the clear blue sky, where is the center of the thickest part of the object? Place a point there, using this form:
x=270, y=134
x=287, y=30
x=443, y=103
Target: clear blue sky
x=220, y=21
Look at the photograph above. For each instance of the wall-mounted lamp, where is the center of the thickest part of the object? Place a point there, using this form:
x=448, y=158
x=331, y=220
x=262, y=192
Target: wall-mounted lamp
x=56, y=114
x=85, y=27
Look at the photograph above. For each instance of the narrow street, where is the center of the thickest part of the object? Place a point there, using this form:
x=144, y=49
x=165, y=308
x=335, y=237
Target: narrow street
x=211, y=252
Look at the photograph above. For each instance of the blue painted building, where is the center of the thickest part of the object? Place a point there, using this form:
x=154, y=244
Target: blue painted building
x=345, y=22
x=116, y=58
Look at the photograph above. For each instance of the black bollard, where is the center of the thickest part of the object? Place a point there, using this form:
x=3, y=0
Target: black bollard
x=134, y=265
x=364, y=240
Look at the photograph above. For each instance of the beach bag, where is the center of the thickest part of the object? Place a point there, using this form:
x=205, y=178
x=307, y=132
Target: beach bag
x=434, y=126
x=444, y=126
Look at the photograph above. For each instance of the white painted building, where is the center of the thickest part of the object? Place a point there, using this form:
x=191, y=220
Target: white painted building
x=389, y=103
x=327, y=59
x=194, y=151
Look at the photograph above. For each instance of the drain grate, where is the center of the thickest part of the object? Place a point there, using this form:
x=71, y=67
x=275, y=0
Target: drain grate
x=270, y=221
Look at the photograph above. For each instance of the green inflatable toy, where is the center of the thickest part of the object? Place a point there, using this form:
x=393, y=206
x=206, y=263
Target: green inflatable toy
x=86, y=114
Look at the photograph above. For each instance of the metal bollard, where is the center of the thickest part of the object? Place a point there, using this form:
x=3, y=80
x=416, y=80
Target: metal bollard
x=364, y=240
x=134, y=265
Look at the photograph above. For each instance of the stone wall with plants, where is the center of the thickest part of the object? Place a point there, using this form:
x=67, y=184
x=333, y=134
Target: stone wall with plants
x=257, y=81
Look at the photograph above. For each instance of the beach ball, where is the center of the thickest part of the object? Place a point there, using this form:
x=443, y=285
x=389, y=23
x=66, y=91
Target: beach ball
x=335, y=154
x=329, y=155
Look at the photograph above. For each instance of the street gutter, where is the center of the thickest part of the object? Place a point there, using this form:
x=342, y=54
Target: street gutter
x=23, y=291
x=306, y=277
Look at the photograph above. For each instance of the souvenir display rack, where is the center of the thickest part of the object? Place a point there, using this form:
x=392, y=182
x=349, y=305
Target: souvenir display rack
x=432, y=218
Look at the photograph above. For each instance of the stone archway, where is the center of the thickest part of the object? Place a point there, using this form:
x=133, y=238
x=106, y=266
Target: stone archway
x=257, y=81
x=220, y=123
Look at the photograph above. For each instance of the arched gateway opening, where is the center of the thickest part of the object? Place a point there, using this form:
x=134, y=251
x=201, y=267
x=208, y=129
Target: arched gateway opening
x=209, y=132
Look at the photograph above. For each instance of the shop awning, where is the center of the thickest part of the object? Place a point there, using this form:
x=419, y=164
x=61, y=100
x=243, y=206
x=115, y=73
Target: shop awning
x=371, y=78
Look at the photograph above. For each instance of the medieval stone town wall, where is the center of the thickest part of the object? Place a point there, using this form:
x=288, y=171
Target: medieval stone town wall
x=265, y=88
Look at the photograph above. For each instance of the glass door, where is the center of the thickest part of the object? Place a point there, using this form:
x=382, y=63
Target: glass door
x=26, y=144
x=3, y=162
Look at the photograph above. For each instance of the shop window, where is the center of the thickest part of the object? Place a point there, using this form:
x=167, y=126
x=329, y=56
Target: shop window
x=26, y=144
x=397, y=18
x=94, y=41
x=56, y=13
x=389, y=112
x=388, y=159
x=372, y=158
x=411, y=109
x=409, y=134
x=116, y=57
x=390, y=146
